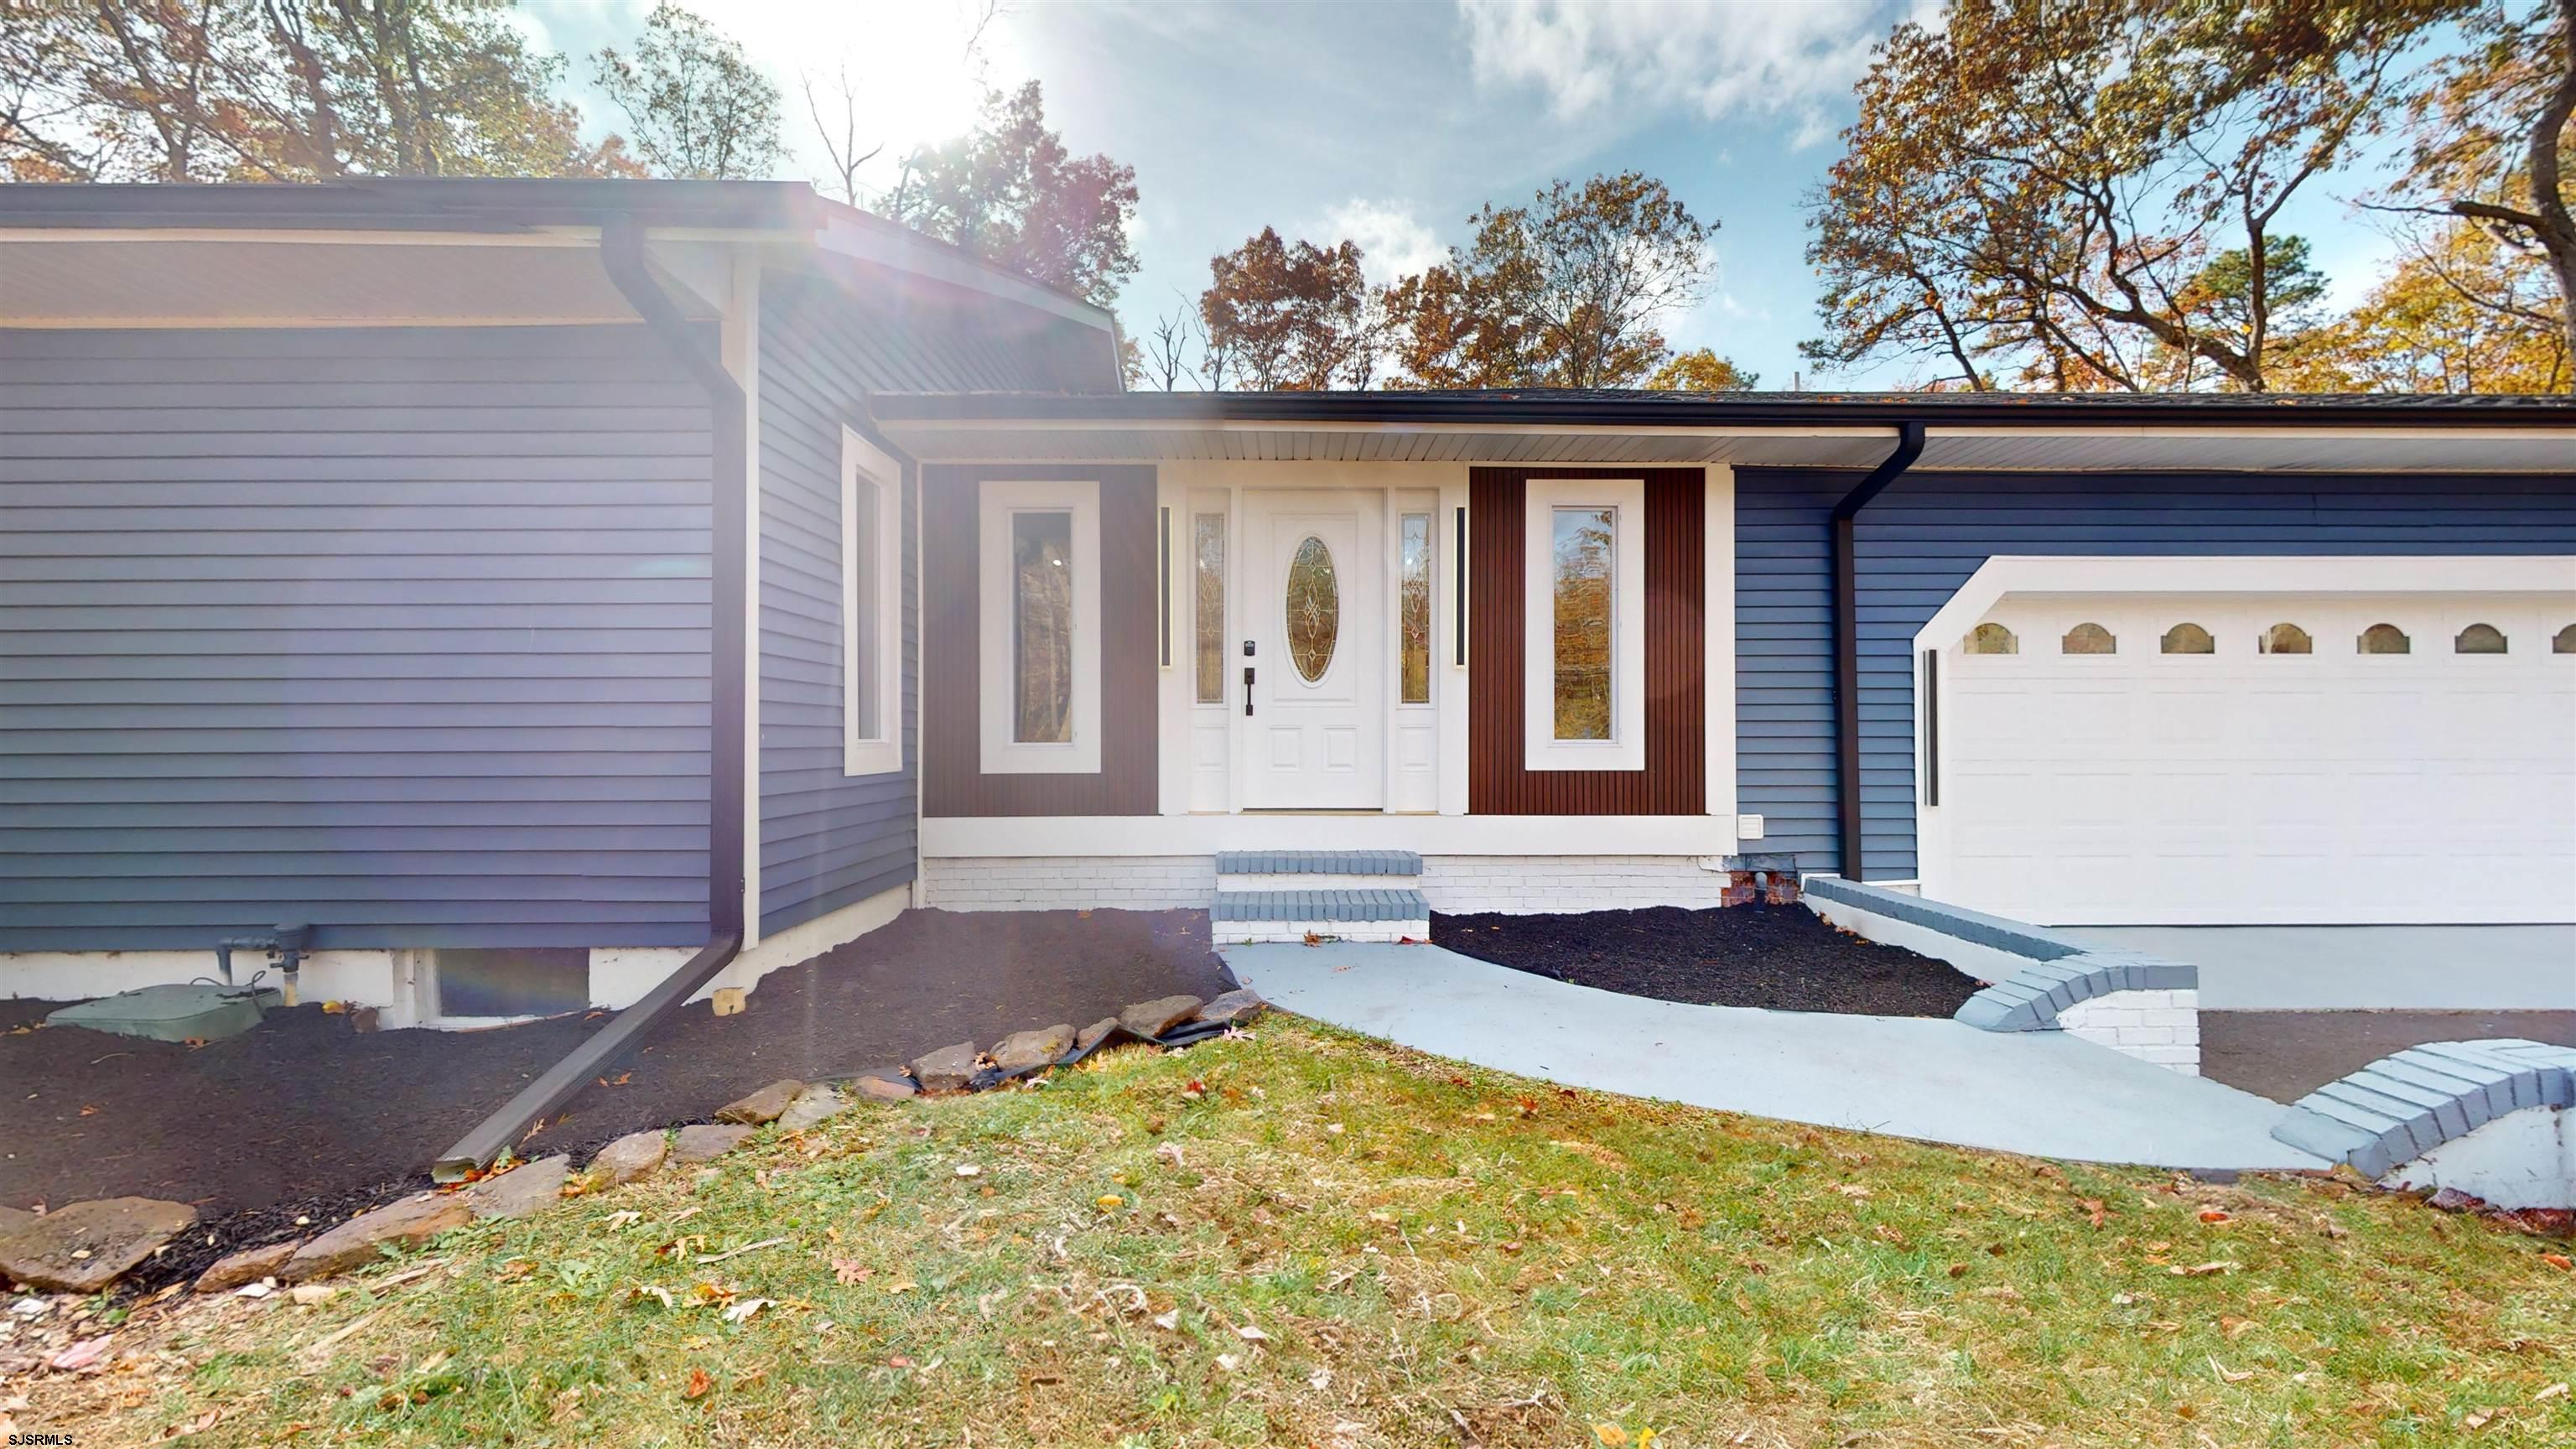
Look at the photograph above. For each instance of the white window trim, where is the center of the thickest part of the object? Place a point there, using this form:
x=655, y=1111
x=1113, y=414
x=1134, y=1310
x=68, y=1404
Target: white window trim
x=996, y=501
x=1626, y=747
x=882, y=752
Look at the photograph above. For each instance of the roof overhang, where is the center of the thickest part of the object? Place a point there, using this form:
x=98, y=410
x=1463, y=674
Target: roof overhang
x=2022, y=432
x=435, y=251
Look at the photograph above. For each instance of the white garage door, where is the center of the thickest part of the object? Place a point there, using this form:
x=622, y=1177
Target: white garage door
x=2108, y=771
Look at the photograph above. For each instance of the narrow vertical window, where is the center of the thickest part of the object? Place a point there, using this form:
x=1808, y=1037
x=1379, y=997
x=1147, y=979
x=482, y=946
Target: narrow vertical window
x=1042, y=628
x=1413, y=611
x=872, y=603
x=1585, y=571
x=864, y=644
x=1207, y=532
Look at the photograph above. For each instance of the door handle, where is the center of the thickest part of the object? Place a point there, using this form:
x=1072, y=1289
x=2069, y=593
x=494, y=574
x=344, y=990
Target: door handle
x=1247, y=686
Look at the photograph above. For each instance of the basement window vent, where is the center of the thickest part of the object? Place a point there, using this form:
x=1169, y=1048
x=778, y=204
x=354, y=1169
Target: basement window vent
x=527, y=981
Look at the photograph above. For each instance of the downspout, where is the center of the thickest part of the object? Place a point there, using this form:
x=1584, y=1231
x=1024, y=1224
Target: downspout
x=1909, y=446
x=621, y=254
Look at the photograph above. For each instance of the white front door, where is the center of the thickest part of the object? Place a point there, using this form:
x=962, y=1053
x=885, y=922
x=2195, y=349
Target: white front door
x=1315, y=611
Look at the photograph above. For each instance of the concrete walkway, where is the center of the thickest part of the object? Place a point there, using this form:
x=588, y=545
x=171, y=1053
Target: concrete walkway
x=2365, y=968
x=2042, y=1093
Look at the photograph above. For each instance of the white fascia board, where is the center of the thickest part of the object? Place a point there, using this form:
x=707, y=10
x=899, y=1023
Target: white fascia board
x=1133, y=835
x=2245, y=574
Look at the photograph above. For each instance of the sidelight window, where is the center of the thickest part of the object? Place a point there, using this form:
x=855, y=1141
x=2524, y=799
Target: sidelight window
x=1413, y=611
x=1207, y=540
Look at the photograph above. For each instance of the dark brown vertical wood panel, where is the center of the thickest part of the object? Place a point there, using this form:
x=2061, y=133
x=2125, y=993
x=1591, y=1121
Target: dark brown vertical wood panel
x=953, y=782
x=1674, y=781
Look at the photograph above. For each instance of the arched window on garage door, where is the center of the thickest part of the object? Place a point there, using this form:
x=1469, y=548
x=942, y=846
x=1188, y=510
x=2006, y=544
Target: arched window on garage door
x=1996, y=639
x=2479, y=639
x=2188, y=639
x=2383, y=639
x=2565, y=643
x=2285, y=639
x=2088, y=639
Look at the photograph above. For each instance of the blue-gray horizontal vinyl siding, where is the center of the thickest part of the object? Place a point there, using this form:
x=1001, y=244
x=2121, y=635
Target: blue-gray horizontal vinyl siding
x=827, y=839
x=399, y=632
x=1925, y=536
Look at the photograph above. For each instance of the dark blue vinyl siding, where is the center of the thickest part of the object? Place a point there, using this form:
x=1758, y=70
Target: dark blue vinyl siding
x=401, y=632
x=828, y=840
x=1924, y=537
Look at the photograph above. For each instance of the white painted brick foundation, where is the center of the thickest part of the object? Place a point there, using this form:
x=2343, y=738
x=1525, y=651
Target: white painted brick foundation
x=1070, y=883
x=2162, y=1027
x=1522, y=884
x=1529, y=884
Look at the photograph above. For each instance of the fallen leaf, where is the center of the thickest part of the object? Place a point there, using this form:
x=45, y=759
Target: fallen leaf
x=1250, y=1334
x=699, y=1384
x=1229, y=1361
x=738, y=1252
x=655, y=1292
x=1171, y=1323
x=968, y=1169
x=1611, y=1435
x=906, y=1286
x=846, y=1271
x=742, y=1311
x=2559, y=1261
x=1108, y=1201
x=2094, y=1212
x=1320, y=1380
x=2233, y=1376
x=2551, y=1392
x=2213, y=1215
x=2479, y=1419
x=81, y=1355
x=2203, y=1270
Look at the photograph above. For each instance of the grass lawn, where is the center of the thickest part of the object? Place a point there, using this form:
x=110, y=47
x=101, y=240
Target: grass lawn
x=1304, y=1237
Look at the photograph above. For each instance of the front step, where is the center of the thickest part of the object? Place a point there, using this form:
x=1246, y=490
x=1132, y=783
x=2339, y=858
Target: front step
x=1315, y=870
x=1374, y=913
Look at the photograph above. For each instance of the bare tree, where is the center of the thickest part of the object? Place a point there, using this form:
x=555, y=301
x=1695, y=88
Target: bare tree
x=1167, y=350
x=842, y=150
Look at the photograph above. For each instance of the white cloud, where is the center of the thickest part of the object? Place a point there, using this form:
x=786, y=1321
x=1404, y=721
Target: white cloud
x=1778, y=57
x=1393, y=241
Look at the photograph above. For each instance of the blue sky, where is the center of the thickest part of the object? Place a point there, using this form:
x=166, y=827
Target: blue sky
x=1388, y=123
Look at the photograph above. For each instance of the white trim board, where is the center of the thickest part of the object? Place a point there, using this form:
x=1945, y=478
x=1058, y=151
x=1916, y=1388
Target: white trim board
x=738, y=339
x=1111, y=835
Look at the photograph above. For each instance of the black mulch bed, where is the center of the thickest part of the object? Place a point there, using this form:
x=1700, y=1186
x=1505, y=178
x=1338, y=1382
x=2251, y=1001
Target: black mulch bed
x=303, y=1115
x=1781, y=957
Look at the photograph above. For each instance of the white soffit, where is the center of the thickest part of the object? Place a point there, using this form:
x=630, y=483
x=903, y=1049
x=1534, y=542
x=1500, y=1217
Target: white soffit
x=2299, y=449
x=109, y=280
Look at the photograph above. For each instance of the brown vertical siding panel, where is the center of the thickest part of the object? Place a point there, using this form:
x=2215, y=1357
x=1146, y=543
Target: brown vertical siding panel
x=1674, y=780
x=953, y=783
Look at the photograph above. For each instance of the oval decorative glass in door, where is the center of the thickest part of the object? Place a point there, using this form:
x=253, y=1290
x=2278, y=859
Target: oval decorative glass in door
x=1314, y=609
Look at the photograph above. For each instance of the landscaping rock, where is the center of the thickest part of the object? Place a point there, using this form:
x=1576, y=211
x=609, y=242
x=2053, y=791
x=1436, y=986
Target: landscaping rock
x=247, y=1266
x=521, y=1190
x=84, y=1246
x=632, y=1156
x=890, y=1085
x=701, y=1141
x=1026, y=1051
x=813, y=1105
x=362, y=1239
x=1153, y=1018
x=948, y=1069
x=12, y=1219
x=763, y=1106
x=1094, y=1034
x=1234, y=1006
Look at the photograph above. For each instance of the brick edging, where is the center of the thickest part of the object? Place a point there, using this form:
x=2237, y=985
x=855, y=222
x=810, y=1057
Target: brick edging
x=2400, y=1107
x=2060, y=972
